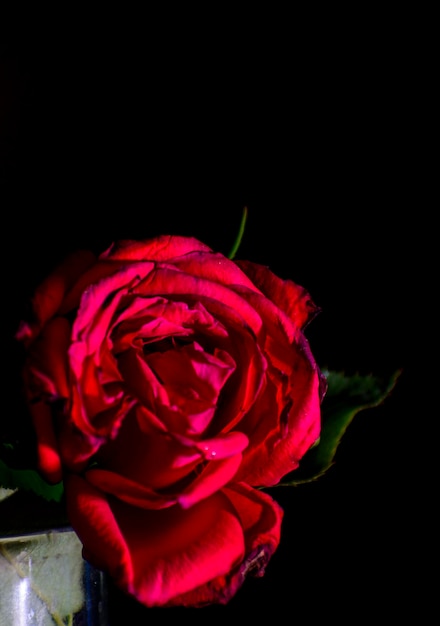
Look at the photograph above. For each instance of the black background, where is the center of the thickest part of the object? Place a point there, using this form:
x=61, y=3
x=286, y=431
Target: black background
x=323, y=150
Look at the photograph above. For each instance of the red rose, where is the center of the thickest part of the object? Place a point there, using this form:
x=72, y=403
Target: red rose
x=167, y=384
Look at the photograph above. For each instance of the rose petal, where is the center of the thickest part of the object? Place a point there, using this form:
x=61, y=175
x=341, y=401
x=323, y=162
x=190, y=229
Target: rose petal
x=260, y=518
x=148, y=456
x=211, y=479
x=100, y=301
x=104, y=544
x=222, y=446
x=156, y=555
x=193, y=380
x=214, y=267
x=45, y=374
x=49, y=294
x=166, y=280
x=161, y=248
x=128, y=490
x=291, y=298
x=49, y=462
x=285, y=423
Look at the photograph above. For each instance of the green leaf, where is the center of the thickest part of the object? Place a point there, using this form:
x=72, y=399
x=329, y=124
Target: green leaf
x=346, y=397
x=29, y=480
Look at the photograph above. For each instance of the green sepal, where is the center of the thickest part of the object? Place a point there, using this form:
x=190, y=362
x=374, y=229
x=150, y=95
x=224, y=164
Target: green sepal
x=240, y=234
x=346, y=396
x=29, y=480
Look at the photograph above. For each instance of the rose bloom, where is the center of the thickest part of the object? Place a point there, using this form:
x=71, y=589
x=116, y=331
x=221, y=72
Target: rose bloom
x=168, y=385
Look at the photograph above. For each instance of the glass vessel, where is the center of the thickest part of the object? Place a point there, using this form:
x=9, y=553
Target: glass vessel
x=44, y=580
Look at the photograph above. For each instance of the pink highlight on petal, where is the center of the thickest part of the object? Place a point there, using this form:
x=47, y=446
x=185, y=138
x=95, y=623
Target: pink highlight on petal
x=24, y=332
x=49, y=461
x=223, y=446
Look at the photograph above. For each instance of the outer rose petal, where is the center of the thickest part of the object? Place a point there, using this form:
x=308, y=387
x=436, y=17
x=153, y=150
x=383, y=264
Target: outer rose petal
x=174, y=557
x=45, y=378
x=162, y=248
x=279, y=444
x=287, y=295
x=46, y=365
x=50, y=293
x=49, y=461
x=214, y=267
x=260, y=517
x=95, y=525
